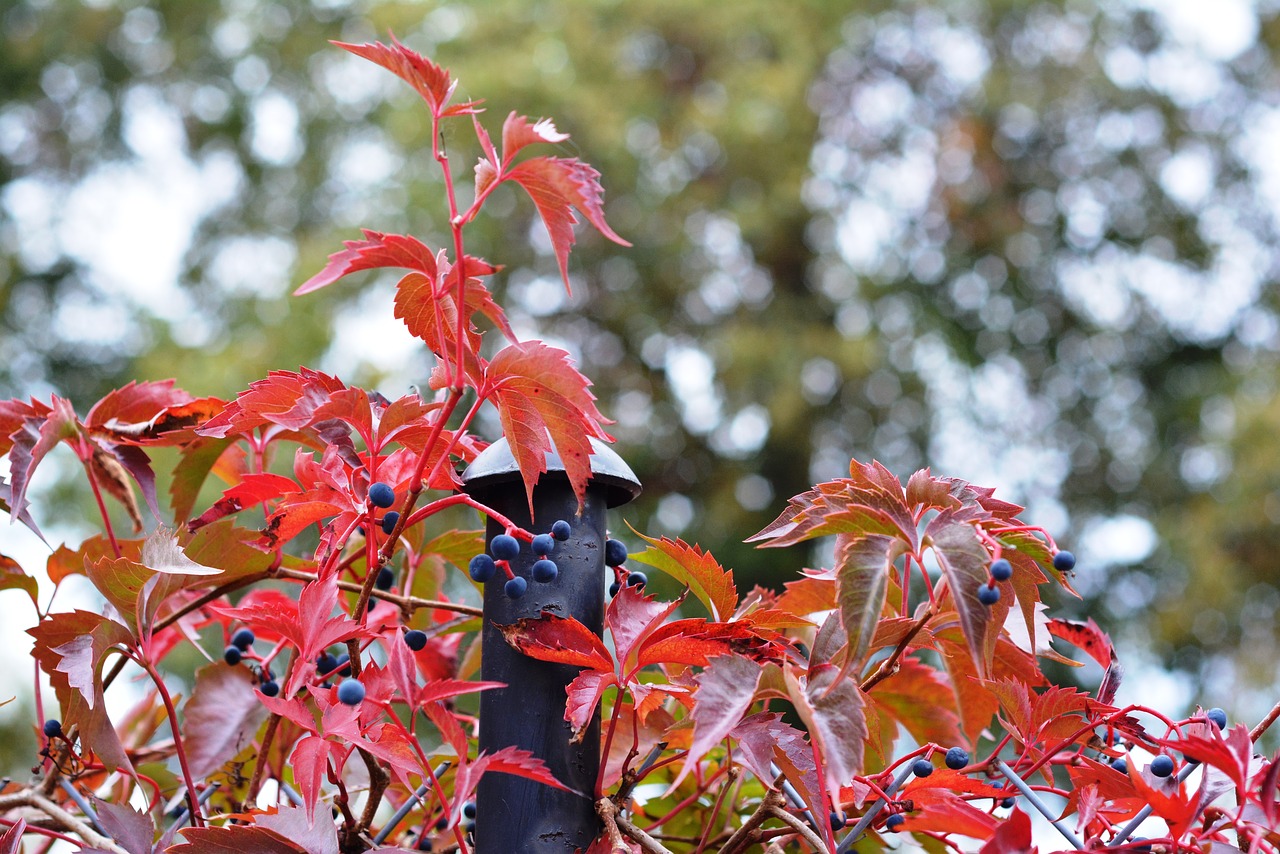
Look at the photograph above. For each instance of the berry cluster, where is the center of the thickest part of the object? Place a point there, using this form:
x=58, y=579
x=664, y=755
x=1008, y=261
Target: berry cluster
x=615, y=555
x=504, y=548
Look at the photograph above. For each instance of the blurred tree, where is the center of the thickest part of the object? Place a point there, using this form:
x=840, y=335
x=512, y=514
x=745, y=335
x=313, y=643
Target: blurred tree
x=1024, y=243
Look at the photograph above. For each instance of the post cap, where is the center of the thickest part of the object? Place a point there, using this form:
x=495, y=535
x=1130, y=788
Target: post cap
x=496, y=463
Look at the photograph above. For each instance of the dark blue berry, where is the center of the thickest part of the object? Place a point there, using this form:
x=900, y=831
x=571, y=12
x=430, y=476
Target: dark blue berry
x=343, y=664
x=270, y=688
x=1120, y=765
x=1161, y=766
x=233, y=655
x=615, y=552
x=52, y=728
x=482, y=568
x=560, y=529
x=415, y=639
x=837, y=821
x=351, y=692
x=956, y=758
x=469, y=810
x=1008, y=803
x=515, y=587
x=381, y=495
x=545, y=571
x=922, y=767
x=504, y=547
x=893, y=822
x=424, y=844
x=243, y=638
x=988, y=595
x=442, y=822
x=389, y=522
x=386, y=578
x=1064, y=561
x=1001, y=570
x=1218, y=716
x=614, y=588
x=637, y=579
x=543, y=545
x=326, y=663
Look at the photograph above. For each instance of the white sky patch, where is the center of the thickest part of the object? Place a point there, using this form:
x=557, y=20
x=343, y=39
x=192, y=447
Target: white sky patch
x=745, y=433
x=692, y=375
x=1123, y=539
x=251, y=265
x=1219, y=29
x=273, y=129
x=367, y=333
x=1189, y=175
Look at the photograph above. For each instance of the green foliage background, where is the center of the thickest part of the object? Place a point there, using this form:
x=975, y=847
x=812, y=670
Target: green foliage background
x=1030, y=244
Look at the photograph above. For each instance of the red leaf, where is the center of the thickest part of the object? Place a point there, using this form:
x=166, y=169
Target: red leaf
x=517, y=133
x=12, y=576
x=964, y=560
x=764, y=738
x=234, y=839
x=285, y=398
x=377, y=250
x=694, y=568
x=133, y=404
x=310, y=761
x=556, y=185
x=11, y=842
x=71, y=648
x=253, y=490
x=943, y=811
x=542, y=402
x=921, y=699
x=862, y=578
x=563, y=640
x=131, y=830
x=431, y=81
x=1012, y=836
x=428, y=305
x=584, y=694
x=831, y=709
x=508, y=760
x=631, y=617
x=1087, y=637
x=726, y=689
x=221, y=717
x=36, y=434
x=1229, y=752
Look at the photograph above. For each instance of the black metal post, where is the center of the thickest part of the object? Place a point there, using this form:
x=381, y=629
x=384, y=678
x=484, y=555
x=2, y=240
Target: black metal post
x=514, y=814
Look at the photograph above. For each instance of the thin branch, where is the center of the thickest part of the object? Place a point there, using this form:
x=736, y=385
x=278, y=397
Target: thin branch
x=745, y=835
x=68, y=821
x=799, y=827
x=890, y=665
x=1264, y=724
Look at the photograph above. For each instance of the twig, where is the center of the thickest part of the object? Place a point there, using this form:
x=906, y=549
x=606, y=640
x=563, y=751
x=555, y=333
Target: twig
x=83, y=804
x=1142, y=814
x=890, y=665
x=1264, y=724
x=409, y=602
x=1040, y=805
x=800, y=827
x=70, y=822
x=792, y=795
x=615, y=824
x=870, y=815
x=746, y=833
